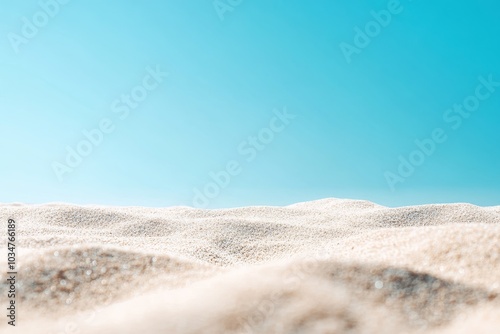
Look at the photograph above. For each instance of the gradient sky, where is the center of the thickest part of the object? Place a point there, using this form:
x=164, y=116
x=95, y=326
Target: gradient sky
x=226, y=78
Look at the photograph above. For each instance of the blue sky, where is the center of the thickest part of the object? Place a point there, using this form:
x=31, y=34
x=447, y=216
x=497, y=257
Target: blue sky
x=226, y=71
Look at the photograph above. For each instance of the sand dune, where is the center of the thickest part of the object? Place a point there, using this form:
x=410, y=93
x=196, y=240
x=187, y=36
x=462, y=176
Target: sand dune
x=327, y=266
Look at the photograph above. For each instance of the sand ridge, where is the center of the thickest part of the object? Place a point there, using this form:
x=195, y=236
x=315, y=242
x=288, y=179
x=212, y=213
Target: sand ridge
x=327, y=266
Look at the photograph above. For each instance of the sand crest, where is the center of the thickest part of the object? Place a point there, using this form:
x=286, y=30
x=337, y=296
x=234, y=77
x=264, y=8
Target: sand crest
x=328, y=266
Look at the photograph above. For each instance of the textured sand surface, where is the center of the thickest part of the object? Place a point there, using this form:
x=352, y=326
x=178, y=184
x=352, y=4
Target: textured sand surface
x=328, y=266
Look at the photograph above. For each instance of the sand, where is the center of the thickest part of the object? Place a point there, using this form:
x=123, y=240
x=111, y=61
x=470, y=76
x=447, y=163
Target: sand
x=327, y=266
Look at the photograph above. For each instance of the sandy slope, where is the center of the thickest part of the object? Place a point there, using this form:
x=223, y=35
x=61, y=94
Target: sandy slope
x=328, y=266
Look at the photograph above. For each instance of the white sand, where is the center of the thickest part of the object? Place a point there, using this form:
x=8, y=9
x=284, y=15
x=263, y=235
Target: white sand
x=328, y=266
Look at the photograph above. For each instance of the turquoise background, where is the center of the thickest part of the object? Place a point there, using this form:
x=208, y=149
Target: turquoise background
x=225, y=77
